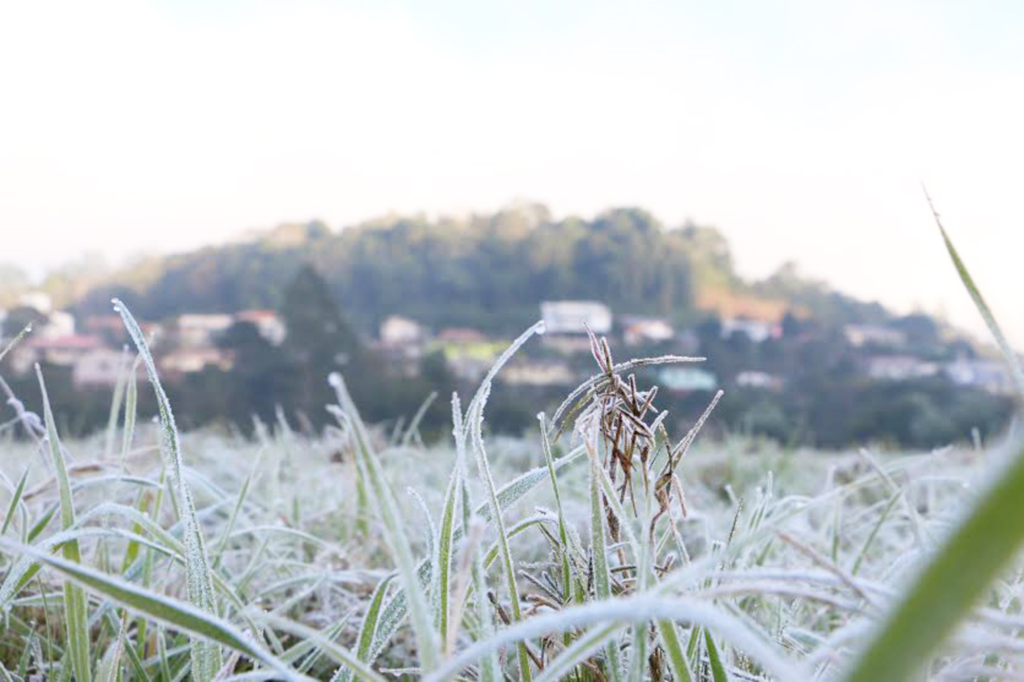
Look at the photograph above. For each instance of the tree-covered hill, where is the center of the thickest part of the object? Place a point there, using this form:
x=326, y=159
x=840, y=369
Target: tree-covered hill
x=484, y=271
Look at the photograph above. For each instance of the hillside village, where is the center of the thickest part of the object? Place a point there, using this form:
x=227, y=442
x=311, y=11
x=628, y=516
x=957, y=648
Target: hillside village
x=92, y=347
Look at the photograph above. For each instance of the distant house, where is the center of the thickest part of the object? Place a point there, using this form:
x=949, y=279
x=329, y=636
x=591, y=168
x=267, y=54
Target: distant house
x=110, y=326
x=860, y=335
x=566, y=344
x=100, y=367
x=640, y=330
x=37, y=300
x=59, y=324
x=64, y=351
x=755, y=330
x=900, y=368
x=572, y=317
x=468, y=352
x=538, y=373
x=686, y=342
x=758, y=379
x=267, y=323
x=684, y=379
x=398, y=331
x=200, y=329
x=461, y=335
x=189, y=360
x=984, y=374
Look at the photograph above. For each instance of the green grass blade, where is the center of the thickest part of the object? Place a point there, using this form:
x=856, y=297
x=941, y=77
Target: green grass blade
x=509, y=494
x=42, y=523
x=950, y=584
x=161, y=608
x=75, y=603
x=496, y=518
x=979, y=302
x=443, y=560
x=874, y=532
x=599, y=551
x=133, y=657
x=368, y=628
x=370, y=621
x=19, y=490
x=628, y=610
x=115, y=403
x=206, y=657
x=339, y=654
x=577, y=652
x=676, y=655
x=563, y=536
x=110, y=667
x=718, y=672
x=394, y=529
x=233, y=519
x=130, y=410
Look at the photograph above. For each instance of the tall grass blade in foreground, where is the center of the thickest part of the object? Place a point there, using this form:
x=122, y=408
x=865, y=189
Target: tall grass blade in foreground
x=972, y=557
x=475, y=418
x=979, y=302
x=206, y=657
x=394, y=528
x=75, y=603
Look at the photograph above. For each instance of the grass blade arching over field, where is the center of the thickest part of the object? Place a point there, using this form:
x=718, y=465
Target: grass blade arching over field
x=206, y=657
x=972, y=557
x=200, y=624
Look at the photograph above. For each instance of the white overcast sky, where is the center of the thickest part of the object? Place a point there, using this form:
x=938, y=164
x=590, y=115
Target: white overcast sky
x=802, y=130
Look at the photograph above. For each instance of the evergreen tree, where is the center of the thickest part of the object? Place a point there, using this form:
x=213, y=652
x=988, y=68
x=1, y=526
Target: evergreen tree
x=319, y=342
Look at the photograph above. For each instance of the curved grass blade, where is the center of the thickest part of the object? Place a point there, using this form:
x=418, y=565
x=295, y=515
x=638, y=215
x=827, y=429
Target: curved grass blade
x=206, y=657
x=338, y=653
x=577, y=652
x=161, y=608
x=638, y=609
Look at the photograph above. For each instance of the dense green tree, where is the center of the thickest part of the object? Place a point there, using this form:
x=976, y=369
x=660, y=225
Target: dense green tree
x=320, y=342
x=260, y=378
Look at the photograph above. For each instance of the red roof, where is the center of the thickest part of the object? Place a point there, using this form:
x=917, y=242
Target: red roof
x=68, y=342
x=253, y=315
x=461, y=335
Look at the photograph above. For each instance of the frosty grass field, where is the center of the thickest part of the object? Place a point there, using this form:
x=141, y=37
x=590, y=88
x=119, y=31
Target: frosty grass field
x=599, y=548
